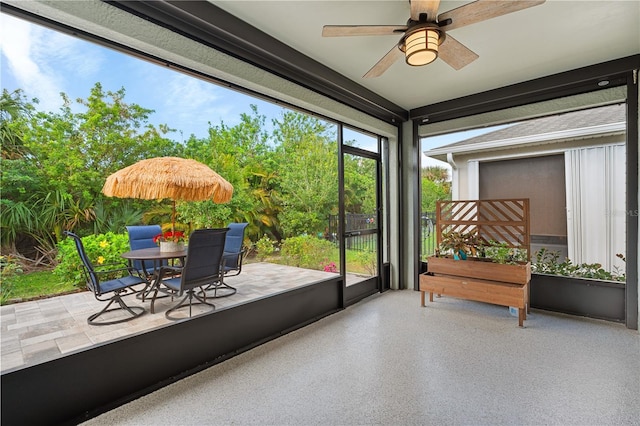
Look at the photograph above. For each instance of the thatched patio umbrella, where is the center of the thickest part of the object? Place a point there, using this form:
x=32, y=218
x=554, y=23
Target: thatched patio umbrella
x=178, y=179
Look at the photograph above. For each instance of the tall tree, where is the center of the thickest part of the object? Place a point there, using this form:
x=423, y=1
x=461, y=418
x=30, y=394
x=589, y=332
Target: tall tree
x=435, y=186
x=241, y=154
x=307, y=155
x=436, y=174
x=14, y=108
x=69, y=156
x=360, y=185
x=77, y=150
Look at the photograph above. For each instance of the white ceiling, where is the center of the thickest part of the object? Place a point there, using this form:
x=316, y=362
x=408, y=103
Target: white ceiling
x=556, y=36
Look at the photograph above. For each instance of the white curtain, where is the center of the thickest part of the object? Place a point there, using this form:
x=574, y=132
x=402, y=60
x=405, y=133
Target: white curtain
x=596, y=212
x=473, y=180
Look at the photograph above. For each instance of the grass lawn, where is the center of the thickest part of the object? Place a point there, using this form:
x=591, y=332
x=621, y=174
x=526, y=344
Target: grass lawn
x=22, y=287
x=33, y=285
x=354, y=261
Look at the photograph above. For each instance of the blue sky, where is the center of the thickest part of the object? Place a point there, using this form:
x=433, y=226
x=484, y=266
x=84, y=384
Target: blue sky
x=44, y=63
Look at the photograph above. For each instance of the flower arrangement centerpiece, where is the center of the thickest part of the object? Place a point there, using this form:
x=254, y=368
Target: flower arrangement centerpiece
x=171, y=240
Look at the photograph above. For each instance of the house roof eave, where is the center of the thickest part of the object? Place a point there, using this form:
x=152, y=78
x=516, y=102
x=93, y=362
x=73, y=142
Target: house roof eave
x=552, y=137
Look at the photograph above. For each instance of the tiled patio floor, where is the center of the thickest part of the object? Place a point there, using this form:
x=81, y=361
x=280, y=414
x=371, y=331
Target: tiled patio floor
x=37, y=331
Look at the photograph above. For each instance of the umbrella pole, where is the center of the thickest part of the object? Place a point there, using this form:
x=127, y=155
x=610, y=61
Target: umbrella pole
x=173, y=218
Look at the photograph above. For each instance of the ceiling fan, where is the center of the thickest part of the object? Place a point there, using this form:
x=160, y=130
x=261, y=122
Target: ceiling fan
x=425, y=38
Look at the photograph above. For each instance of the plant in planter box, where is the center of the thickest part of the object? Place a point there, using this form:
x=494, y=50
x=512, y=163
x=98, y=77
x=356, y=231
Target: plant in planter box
x=548, y=262
x=500, y=252
x=459, y=244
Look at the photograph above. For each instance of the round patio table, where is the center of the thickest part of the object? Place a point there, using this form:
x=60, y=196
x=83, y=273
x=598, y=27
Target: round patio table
x=157, y=256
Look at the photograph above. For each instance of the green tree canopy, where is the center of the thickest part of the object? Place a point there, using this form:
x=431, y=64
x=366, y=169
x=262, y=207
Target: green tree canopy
x=308, y=169
x=240, y=154
x=55, y=164
x=435, y=185
x=52, y=178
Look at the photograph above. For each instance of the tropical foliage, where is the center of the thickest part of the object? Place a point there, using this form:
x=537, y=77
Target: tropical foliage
x=435, y=185
x=55, y=163
x=285, y=179
x=306, y=251
x=103, y=250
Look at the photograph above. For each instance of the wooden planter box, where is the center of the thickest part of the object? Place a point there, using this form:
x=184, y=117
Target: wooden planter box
x=482, y=269
x=479, y=280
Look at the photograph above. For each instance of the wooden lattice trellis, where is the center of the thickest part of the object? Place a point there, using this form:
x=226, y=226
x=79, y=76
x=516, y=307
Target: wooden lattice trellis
x=504, y=221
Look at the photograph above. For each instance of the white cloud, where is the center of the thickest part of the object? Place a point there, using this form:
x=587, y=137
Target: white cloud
x=18, y=39
x=43, y=62
x=191, y=99
x=69, y=55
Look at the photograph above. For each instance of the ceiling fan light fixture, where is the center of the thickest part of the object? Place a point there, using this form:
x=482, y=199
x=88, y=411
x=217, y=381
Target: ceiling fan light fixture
x=421, y=46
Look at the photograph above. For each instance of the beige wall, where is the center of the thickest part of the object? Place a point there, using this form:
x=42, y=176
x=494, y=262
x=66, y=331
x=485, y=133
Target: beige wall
x=557, y=147
x=540, y=179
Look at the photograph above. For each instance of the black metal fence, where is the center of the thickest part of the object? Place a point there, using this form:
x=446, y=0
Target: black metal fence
x=359, y=222
x=427, y=234
x=354, y=222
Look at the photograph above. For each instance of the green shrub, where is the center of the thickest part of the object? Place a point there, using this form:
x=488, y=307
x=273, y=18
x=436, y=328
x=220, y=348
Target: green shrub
x=368, y=260
x=9, y=268
x=103, y=250
x=264, y=247
x=306, y=251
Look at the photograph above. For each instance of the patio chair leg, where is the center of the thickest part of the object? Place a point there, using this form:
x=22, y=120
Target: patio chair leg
x=135, y=312
x=191, y=294
x=126, y=307
x=153, y=301
x=226, y=289
x=144, y=294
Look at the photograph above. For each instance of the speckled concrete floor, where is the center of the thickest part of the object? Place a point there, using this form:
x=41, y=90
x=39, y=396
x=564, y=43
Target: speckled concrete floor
x=386, y=360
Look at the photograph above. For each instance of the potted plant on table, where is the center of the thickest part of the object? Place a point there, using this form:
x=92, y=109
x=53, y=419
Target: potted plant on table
x=171, y=240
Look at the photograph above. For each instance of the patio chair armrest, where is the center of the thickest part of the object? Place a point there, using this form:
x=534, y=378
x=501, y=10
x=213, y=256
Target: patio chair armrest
x=122, y=268
x=168, y=270
x=234, y=253
x=118, y=272
x=112, y=266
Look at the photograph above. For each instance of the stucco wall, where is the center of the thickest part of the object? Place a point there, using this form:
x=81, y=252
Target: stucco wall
x=462, y=160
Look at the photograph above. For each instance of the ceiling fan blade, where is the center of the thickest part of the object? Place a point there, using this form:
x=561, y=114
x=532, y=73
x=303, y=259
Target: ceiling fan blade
x=456, y=54
x=482, y=10
x=383, y=64
x=361, y=30
x=430, y=7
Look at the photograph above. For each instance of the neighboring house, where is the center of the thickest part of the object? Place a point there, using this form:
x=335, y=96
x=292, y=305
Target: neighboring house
x=572, y=168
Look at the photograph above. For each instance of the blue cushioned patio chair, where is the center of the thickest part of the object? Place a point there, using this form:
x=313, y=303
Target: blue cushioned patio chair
x=110, y=290
x=202, y=268
x=140, y=237
x=233, y=249
x=232, y=259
